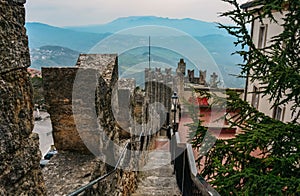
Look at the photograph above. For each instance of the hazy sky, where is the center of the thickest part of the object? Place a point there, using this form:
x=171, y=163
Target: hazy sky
x=85, y=12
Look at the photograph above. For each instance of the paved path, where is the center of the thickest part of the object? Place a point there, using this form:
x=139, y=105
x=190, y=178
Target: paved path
x=44, y=129
x=157, y=177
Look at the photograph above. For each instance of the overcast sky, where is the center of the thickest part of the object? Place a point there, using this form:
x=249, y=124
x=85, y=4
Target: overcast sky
x=86, y=12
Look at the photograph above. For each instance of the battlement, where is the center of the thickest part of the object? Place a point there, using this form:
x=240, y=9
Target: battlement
x=159, y=85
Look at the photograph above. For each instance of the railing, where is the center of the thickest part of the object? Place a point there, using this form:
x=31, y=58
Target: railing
x=101, y=178
x=188, y=179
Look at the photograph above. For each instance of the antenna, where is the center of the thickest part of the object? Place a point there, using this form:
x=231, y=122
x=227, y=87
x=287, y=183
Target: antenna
x=149, y=52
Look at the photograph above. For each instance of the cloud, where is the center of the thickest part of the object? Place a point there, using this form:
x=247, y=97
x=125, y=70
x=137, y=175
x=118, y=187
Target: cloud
x=84, y=12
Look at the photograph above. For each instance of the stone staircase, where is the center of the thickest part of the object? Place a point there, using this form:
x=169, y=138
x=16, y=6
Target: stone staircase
x=157, y=176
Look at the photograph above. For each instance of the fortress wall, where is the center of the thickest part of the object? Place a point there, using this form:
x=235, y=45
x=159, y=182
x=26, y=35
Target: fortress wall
x=81, y=103
x=20, y=172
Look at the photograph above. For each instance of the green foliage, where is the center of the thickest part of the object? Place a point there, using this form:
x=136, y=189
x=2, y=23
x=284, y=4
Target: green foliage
x=37, y=85
x=264, y=159
x=231, y=166
x=277, y=65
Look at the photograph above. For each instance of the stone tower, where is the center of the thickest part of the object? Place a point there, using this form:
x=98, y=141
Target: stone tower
x=181, y=68
x=180, y=74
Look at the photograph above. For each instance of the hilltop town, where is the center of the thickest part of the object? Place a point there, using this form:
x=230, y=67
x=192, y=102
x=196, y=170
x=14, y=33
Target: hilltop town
x=105, y=126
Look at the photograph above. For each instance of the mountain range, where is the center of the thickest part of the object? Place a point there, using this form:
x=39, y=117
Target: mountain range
x=60, y=46
x=187, y=25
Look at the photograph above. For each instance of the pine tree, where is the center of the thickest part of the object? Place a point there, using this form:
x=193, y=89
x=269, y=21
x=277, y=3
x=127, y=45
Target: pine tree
x=230, y=165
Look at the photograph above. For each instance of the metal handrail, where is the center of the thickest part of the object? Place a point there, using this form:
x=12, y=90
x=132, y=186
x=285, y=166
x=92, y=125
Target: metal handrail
x=185, y=169
x=85, y=187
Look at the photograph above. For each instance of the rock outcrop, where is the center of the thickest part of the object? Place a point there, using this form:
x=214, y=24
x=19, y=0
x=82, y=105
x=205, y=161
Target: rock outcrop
x=20, y=173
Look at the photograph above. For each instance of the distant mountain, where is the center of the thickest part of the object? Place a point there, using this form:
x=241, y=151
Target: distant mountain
x=133, y=62
x=57, y=46
x=52, y=56
x=221, y=48
x=44, y=35
x=190, y=26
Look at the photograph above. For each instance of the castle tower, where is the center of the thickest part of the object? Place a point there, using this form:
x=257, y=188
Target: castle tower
x=179, y=79
x=181, y=68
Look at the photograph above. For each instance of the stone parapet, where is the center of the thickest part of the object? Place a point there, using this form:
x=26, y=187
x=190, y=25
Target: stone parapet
x=79, y=100
x=93, y=116
x=58, y=88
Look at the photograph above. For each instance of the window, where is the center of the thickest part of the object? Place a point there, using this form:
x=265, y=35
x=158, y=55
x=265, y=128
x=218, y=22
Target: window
x=262, y=36
x=255, y=97
x=277, y=113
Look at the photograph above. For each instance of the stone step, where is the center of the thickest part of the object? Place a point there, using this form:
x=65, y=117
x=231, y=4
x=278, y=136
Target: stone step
x=147, y=191
x=159, y=181
x=165, y=154
x=156, y=177
x=157, y=159
x=162, y=143
x=165, y=171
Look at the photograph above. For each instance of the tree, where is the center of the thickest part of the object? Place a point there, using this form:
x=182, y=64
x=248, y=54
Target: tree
x=230, y=165
x=37, y=86
x=276, y=66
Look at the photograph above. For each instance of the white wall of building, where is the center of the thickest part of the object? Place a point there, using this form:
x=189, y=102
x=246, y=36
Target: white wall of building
x=269, y=30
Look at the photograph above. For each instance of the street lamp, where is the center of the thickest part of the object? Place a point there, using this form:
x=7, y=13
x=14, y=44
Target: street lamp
x=174, y=99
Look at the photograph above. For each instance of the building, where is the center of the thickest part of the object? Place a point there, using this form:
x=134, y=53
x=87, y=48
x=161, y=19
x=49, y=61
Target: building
x=262, y=33
x=34, y=72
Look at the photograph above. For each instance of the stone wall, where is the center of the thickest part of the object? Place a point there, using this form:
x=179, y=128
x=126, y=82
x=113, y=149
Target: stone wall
x=58, y=87
x=124, y=105
x=79, y=100
x=19, y=148
x=159, y=86
x=80, y=106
